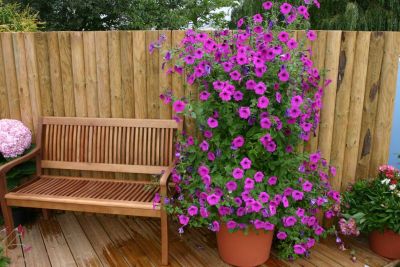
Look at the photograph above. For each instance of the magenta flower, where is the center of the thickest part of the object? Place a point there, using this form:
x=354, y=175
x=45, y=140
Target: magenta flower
x=319, y=230
x=258, y=177
x=184, y=220
x=286, y=8
x=225, y=95
x=250, y=84
x=231, y=224
x=300, y=212
x=237, y=173
x=311, y=35
x=206, y=179
x=208, y=134
x=240, y=23
x=213, y=199
x=204, y=95
x=179, y=106
x=272, y=180
x=263, y=197
x=294, y=112
x=212, y=123
x=238, y=142
x=203, y=170
x=263, y=102
x=307, y=186
x=285, y=202
x=192, y=210
x=297, y=195
x=271, y=146
x=260, y=88
x=292, y=44
x=204, y=212
x=231, y=186
x=299, y=249
x=267, y=5
x=281, y=235
x=215, y=226
x=257, y=18
x=289, y=221
x=189, y=60
x=246, y=163
x=283, y=37
x=314, y=158
x=235, y=75
x=204, y=146
x=283, y=75
x=265, y=123
x=248, y=184
x=211, y=156
x=238, y=96
x=244, y=112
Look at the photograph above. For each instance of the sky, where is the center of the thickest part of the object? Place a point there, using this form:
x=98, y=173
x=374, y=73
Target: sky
x=395, y=140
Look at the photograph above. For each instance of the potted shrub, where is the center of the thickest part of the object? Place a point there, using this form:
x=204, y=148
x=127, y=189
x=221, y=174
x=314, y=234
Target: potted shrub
x=259, y=98
x=373, y=207
x=16, y=140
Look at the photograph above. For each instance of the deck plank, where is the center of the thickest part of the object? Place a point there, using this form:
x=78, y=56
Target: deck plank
x=107, y=251
x=81, y=249
x=57, y=248
x=35, y=251
x=16, y=255
x=132, y=252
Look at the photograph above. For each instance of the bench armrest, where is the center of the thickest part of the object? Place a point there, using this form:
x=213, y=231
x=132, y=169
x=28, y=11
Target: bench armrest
x=8, y=166
x=165, y=176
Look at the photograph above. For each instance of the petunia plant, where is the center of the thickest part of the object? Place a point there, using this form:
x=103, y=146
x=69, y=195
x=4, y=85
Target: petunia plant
x=259, y=97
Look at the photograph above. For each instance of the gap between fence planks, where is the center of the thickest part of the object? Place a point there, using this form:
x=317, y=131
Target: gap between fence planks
x=112, y=74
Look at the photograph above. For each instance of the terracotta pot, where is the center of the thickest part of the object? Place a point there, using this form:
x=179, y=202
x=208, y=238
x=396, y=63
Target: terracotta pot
x=386, y=244
x=243, y=250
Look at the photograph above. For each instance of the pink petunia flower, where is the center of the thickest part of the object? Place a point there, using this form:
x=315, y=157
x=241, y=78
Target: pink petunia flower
x=244, y=112
x=179, y=106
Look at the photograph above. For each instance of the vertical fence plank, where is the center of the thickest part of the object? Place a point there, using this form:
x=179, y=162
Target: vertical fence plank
x=4, y=108
x=318, y=57
x=89, y=50
x=114, y=61
x=22, y=79
x=165, y=79
x=152, y=77
x=127, y=71
x=372, y=89
x=55, y=73
x=328, y=110
x=344, y=85
x=103, y=78
x=11, y=76
x=78, y=72
x=42, y=61
x=177, y=80
x=384, y=112
x=355, y=109
x=64, y=44
x=139, y=59
x=33, y=81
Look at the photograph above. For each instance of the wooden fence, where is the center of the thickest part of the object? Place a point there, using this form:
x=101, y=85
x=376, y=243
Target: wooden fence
x=111, y=74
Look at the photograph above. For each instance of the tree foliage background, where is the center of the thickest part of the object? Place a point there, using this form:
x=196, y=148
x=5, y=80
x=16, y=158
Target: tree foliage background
x=364, y=15
x=128, y=14
x=16, y=18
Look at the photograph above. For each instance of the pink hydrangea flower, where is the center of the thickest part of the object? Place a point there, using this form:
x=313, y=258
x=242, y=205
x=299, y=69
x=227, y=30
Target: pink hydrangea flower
x=15, y=138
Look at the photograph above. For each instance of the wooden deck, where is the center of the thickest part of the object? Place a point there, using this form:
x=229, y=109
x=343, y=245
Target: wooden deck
x=91, y=240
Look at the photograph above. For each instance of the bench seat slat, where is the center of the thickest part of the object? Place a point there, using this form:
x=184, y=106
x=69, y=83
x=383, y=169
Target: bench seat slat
x=74, y=193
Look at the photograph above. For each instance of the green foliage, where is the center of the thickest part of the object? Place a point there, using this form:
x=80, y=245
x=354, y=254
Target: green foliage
x=374, y=204
x=4, y=261
x=128, y=14
x=16, y=174
x=14, y=18
x=366, y=15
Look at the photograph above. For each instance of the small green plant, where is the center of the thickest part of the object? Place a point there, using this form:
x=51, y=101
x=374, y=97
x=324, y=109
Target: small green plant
x=372, y=204
x=15, y=18
x=4, y=261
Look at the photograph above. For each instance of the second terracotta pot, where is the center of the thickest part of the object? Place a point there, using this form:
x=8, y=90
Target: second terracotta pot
x=243, y=250
x=386, y=244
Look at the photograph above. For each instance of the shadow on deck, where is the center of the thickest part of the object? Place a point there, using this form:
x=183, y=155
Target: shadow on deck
x=91, y=240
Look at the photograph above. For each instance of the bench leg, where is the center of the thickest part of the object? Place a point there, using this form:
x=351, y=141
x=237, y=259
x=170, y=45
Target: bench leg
x=164, y=239
x=46, y=214
x=9, y=224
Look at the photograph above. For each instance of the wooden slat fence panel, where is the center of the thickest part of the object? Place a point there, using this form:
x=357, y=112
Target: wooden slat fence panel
x=111, y=74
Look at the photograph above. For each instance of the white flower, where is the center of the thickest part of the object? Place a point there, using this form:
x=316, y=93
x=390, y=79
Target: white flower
x=392, y=187
x=398, y=194
x=385, y=181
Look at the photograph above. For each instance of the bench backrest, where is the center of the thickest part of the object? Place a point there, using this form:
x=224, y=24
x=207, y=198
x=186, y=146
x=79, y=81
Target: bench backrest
x=104, y=144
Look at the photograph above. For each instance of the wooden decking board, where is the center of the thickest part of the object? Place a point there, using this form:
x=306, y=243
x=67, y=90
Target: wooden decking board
x=56, y=245
x=110, y=241
x=81, y=249
x=35, y=253
x=108, y=252
x=16, y=255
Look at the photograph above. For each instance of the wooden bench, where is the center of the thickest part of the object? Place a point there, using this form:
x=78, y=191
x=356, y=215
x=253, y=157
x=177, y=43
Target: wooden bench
x=99, y=145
